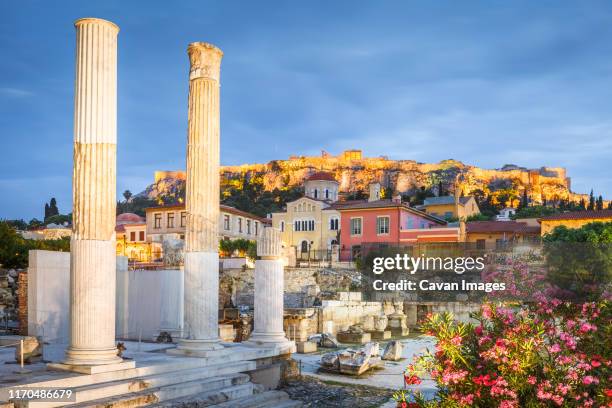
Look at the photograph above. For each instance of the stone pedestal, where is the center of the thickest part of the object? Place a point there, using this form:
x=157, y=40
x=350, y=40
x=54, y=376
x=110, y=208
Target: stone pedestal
x=380, y=335
x=269, y=290
x=304, y=347
x=92, y=263
x=201, y=328
x=353, y=337
x=397, y=325
x=398, y=321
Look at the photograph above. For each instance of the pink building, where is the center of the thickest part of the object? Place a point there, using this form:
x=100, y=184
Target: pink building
x=390, y=222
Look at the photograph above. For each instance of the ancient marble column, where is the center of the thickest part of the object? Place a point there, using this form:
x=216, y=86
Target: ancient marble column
x=269, y=290
x=201, y=329
x=92, y=246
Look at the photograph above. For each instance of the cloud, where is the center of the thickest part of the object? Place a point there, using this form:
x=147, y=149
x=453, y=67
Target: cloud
x=15, y=92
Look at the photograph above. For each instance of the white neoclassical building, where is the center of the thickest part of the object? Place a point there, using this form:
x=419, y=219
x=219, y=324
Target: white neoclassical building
x=311, y=223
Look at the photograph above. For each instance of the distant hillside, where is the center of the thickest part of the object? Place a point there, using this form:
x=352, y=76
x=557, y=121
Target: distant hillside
x=500, y=187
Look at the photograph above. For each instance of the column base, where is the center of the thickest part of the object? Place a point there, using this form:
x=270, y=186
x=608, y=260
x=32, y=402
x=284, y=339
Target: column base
x=277, y=341
x=198, y=348
x=93, y=369
x=91, y=357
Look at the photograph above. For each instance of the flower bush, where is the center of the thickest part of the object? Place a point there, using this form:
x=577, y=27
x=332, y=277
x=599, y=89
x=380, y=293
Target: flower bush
x=546, y=354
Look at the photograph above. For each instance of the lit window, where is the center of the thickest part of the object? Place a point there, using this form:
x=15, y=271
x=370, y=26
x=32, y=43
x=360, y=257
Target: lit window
x=355, y=226
x=382, y=225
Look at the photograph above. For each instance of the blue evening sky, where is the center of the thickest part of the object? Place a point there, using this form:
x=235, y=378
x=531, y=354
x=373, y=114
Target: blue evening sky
x=487, y=83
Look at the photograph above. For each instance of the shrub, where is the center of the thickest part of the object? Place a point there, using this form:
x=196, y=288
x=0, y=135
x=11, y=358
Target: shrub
x=549, y=354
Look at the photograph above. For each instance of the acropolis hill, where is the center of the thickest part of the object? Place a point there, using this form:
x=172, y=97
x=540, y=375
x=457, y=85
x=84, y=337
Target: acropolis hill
x=355, y=172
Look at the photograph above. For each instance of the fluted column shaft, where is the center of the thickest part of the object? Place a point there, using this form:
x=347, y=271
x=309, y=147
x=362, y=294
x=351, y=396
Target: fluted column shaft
x=202, y=201
x=269, y=290
x=93, y=260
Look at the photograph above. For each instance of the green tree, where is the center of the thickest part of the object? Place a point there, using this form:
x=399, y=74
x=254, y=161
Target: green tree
x=127, y=194
x=591, y=206
x=599, y=205
x=535, y=211
x=580, y=259
x=14, y=248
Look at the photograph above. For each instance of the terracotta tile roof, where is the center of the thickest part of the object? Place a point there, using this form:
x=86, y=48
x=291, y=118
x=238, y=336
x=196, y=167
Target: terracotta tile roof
x=321, y=175
x=363, y=205
x=442, y=200
x=579, y=215
x=222, y=207
x=129, y=218
x=501, y=226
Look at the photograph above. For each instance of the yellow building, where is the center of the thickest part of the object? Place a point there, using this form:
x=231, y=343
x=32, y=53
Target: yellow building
x=500, y=234
x=131, y=236
x=311, y=224
x=447, y=207
x=574, y=219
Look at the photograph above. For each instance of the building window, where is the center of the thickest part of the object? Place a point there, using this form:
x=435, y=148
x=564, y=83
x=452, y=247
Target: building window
x=304, y=246
x=133, y=236
x=249, y=227
x=327, y=194
x=382, y=225
x=282, y=226
x=240, y=225
x=170, y=220
x=355, y=226
x=316, y=193
x=423, y=225
x=480, y=244
x=448, y=215
x=157, y=221
x=256, y=228
x=226, y=222
x=183, y=219
x=333, y=224
x=141, y=236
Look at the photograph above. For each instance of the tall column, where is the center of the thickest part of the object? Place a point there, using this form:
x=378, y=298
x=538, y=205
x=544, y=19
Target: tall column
x=269, y=290
x=202, y=203
x=92, y=246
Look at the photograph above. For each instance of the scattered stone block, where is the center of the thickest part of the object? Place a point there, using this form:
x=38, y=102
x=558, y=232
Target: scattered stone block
x=393, y=351
x=226, y=333
x=305, y=347
x=328, y=341
x=32, y=350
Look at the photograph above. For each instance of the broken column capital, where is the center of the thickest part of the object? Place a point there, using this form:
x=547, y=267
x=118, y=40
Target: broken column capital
x=205, y=61
x=269, y=244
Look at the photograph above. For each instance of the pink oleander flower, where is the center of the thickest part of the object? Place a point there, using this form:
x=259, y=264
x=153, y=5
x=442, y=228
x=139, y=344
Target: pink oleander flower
x=555, y=348
x=588, y=379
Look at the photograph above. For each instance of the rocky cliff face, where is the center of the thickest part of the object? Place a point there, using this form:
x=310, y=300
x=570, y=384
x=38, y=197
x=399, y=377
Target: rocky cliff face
x=407, y=176
x=401, y=176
